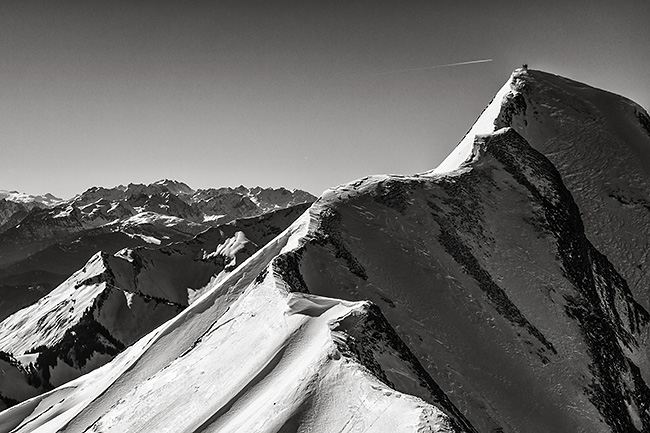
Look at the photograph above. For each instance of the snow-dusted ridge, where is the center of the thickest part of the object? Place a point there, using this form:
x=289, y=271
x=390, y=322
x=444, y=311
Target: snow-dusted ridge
x=15, y=205
x=297, y=372
x=79, y=326
x=173, y=198
x=167, y=278
x=46, y=200
x=600, y=143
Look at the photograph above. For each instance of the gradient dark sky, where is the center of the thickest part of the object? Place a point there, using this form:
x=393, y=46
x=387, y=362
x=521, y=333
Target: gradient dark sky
x=278, y=93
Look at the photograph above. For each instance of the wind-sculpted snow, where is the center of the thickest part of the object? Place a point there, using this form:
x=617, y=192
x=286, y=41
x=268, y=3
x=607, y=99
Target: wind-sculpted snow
x=118, y=298
x=310, y=364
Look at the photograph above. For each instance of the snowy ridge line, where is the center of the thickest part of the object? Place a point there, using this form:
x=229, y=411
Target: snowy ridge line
x=484, y=125
x=134, y=273
x=311, y=312
x=129, y=358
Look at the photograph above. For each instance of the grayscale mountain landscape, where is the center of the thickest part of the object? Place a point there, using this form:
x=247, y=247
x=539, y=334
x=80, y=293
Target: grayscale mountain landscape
x=505, y=290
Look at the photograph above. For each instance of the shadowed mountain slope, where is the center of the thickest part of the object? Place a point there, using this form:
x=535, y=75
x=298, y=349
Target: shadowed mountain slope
x=600, y=144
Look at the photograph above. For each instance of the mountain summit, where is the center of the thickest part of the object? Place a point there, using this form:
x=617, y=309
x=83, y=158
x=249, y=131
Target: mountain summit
x=493, y=294
x=600, y=144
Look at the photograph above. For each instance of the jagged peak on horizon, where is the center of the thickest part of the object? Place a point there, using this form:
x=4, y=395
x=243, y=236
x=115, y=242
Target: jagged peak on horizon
x=47, y=199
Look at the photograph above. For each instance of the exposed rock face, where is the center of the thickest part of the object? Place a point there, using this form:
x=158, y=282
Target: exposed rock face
x=11, y=213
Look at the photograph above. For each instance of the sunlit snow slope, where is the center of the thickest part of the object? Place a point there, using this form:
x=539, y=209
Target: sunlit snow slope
x=250, y=355
x=115, y=299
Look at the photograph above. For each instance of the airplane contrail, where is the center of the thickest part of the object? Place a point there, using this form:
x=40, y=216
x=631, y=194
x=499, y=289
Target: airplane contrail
x=470, y=62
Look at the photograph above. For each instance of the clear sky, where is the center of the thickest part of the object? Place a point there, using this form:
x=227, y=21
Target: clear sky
x=275, y=93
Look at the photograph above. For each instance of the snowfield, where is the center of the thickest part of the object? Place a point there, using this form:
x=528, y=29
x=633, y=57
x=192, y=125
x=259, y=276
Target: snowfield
x=116, y=299
x=294, y=374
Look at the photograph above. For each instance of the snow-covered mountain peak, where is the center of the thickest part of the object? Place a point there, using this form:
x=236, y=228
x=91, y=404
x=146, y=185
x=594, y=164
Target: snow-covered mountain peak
x=175, y=187
x=599, y=142
x=173, y=198
x=45, y=200
x=95, y=193
x=123, y=192
x=537, y=97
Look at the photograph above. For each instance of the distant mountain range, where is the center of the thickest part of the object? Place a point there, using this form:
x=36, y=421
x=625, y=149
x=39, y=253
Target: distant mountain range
x=44, y=239
x=504, y=291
